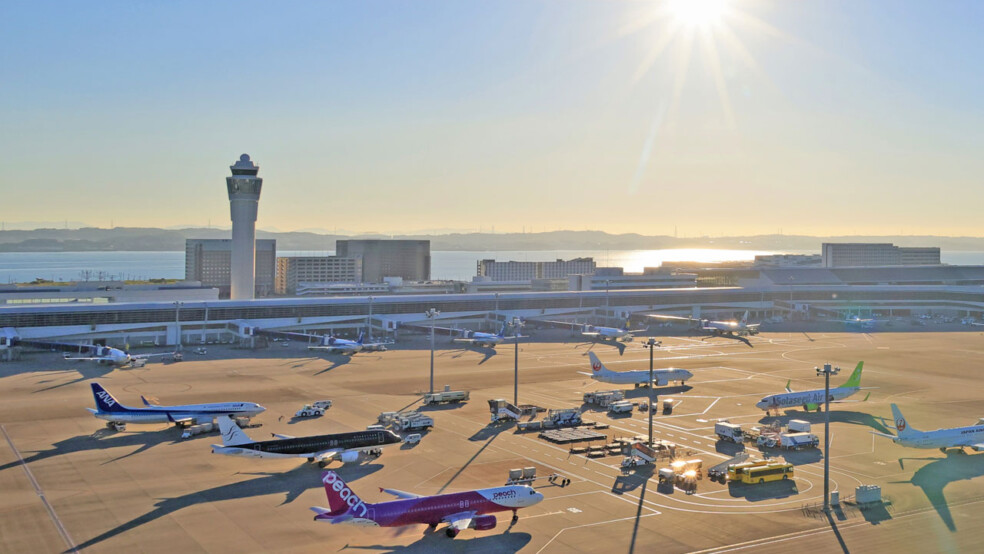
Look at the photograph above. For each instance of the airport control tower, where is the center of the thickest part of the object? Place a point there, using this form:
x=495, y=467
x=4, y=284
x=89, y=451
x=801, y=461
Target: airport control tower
x=244, y=199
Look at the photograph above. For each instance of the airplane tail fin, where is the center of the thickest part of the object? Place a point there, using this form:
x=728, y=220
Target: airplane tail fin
x=105, y=401
x=596, y=366
x=901, y=425
x=232, y=435
x=744, y=318
x=362, y=337
x=855, y=380
x=341, y=499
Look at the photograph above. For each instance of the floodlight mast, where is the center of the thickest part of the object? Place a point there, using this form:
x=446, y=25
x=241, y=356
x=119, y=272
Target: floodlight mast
x=827, y=370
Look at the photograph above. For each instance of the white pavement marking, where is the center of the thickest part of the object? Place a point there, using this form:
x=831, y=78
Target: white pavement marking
x=591, y=525
x=37, y=489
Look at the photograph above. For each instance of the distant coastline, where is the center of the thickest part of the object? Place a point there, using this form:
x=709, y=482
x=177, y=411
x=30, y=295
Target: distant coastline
x=172, y=240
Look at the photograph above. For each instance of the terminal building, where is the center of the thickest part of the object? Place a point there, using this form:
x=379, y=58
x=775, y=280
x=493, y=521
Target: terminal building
x=528, y=271
x=167, y=323
x=863, y=254
x=209, y=261
x=608, y=278
x=407, y=259
x=102, y=292
x=308, y=272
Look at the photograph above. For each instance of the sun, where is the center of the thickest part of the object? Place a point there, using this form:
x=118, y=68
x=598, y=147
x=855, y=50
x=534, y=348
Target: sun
x=698, y=12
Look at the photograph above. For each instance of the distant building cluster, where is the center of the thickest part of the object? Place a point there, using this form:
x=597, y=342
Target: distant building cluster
x=210, y=262
x=528, y=271
x=301, y=271
x=859, y=254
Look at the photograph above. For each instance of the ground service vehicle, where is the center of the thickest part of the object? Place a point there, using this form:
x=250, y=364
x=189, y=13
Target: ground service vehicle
x=729, y=432
x=621, y=407
x=323, y=404
x=309, y=411
x=761, y=471
x=446, y=396
x=413, y=422
x=411, y=439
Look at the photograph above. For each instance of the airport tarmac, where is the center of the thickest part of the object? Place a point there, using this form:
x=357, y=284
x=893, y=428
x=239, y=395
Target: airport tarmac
x=68, y=481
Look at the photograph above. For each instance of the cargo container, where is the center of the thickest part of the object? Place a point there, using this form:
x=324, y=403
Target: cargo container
x=798, y=426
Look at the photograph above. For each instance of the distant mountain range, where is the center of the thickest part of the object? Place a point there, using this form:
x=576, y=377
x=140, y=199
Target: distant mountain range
x=152, y=239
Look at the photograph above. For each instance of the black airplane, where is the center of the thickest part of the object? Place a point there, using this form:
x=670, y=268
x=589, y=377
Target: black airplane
x=321, y=448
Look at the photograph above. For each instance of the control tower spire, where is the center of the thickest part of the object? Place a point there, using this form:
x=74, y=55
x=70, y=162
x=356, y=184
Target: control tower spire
x=244, y=199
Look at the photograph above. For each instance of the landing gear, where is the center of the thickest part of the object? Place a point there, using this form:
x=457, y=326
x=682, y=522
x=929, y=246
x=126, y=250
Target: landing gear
x=943, y=450
x=322, y=464
x=515, y=517
x=451, y=532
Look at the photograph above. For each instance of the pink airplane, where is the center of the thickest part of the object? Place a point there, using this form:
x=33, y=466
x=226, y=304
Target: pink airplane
x=460, y=510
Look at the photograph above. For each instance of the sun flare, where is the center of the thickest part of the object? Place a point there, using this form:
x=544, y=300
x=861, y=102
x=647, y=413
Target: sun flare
x=698, y=12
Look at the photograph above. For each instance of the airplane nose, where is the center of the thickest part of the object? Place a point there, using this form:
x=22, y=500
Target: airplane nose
x=760, y=405
x=260, y=408
x=689, y=375
x=538, y=497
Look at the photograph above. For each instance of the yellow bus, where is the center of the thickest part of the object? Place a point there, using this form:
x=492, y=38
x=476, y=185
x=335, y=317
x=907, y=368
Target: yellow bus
x=760, y=471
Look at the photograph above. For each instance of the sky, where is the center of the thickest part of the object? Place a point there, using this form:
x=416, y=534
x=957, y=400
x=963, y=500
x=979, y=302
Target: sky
x=752, y=117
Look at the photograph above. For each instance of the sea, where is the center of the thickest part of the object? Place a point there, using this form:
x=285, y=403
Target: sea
x=22, y=267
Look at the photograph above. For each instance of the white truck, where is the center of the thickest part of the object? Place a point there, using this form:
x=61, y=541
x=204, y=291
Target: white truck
x=447, y=396
x=603, y=398
x=413, y=421
x=620, y=407
x=798, y=441
x=789, y=441
x=729, y=432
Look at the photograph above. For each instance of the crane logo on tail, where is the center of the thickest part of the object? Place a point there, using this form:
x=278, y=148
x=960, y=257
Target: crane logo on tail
x=900, y=424
x=596, y=366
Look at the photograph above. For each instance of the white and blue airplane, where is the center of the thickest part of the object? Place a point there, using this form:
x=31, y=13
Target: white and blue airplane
x=479, y=338
x=636, y=377
x=335, y=345
x=955, y=437
x=609, y=333
x=110, y=409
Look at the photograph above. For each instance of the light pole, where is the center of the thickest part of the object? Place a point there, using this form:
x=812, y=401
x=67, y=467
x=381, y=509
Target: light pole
x=370, y=320
x=517, y=325
x=432, y=314
x=826, y=371
x=177, y=326
x=651, y=344
x=608, y=305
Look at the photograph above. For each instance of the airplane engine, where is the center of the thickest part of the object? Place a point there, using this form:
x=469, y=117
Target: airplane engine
x=484, y=523
x=660, y=383
x=350, y=457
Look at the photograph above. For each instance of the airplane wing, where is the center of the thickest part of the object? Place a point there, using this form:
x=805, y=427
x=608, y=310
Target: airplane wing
x=977, y=447
x=399, y=494
x=787, y=386
x=331, y=349
x=675, y=317
x=585, y=373
x=279, y=436
x=590, y=333
x=460, y=521
x=146, y=356
x=886, y=435
x=92, y=359
x=147, y=402
x=182, y=421
x=324, y=455
x=464, y=341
